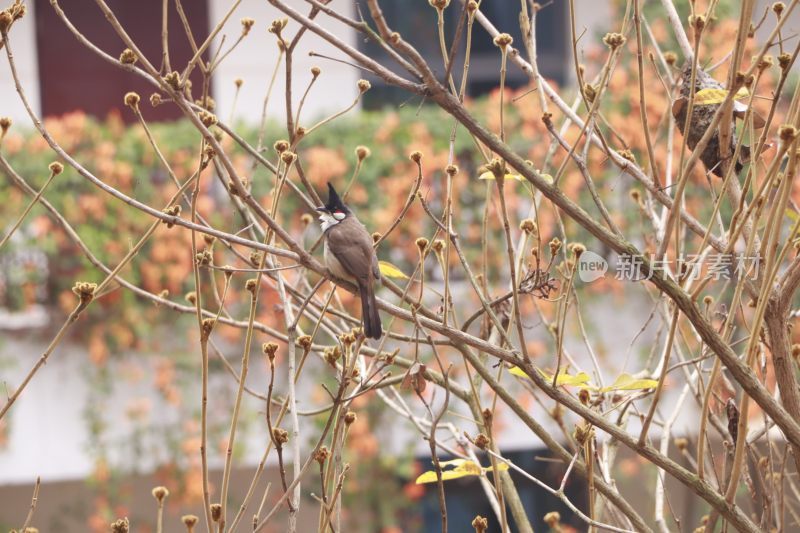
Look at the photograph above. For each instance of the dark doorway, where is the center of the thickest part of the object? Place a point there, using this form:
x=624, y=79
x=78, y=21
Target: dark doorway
x=465, y=498
x=75, y=78
x=417, y=23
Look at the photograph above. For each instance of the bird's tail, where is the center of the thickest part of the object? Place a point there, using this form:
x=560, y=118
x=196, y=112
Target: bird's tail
x=369, y=311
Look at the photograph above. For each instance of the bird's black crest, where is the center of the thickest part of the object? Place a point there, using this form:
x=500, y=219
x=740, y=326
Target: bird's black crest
x=334, y=202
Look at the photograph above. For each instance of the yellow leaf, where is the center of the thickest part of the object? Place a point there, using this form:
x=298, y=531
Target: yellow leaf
x=567, y=379
x=517, y=371
x=489, y=176
x=792, y=214
x=623, y=382
x=628, y=382
x=716, y=96
x=390, y=271
x=430, y=476
x=563, y=379
x=453, y=462
x=462, y=468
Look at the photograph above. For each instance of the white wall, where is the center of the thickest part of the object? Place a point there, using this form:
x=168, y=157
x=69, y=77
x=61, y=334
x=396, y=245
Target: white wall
x=254, y=61
x=49, y=435
x=788, y=31
x=23, y=45
x=48, y=432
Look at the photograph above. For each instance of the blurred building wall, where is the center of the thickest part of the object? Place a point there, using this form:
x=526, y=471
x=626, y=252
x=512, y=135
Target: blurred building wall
x=65, y=506
x=253, y=61
x=23, y=40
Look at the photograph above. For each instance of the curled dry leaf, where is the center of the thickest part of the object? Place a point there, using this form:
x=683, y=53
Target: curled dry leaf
x=415, y=378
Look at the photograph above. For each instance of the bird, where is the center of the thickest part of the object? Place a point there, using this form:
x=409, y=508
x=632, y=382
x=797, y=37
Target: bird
x=702, y=116
x=349, y=255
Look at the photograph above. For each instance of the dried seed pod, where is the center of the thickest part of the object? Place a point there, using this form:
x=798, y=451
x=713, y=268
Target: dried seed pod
x=160, y=493
x=121, y=525
x=132, y=99
x=128, y=57
x=363, y=86
x=247, y=25
x=503, y=40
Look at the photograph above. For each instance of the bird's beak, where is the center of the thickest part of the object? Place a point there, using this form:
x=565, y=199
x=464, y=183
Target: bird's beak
x=321, y=209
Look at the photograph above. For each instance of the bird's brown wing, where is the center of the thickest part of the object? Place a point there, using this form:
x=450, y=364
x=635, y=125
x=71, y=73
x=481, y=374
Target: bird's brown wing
x=351, y=244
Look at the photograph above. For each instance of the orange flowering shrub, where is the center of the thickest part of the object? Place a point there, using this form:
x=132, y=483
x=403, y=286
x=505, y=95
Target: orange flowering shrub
x=120, y=322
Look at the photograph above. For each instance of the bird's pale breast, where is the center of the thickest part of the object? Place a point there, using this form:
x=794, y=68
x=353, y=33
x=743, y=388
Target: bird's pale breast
x=334, y=265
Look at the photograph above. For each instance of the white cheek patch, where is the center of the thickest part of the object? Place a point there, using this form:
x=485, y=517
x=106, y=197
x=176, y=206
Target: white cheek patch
x=326, y=221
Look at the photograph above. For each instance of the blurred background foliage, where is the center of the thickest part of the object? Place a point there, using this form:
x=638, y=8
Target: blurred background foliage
x=121, y=156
